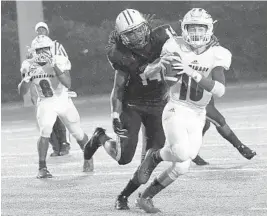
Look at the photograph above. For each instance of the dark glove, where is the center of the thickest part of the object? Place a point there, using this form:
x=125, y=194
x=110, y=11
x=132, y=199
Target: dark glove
x=118, y=129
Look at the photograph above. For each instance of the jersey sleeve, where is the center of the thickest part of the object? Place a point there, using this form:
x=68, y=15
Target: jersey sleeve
x=169, y=47
x=115, y=59
x=222, y=57
x=25, y=67
x=62, y=62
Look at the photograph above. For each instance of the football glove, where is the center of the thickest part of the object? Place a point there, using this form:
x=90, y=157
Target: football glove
x=117, y=127
x=185, y=68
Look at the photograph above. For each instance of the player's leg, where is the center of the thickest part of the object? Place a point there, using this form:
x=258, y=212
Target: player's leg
x=199, y=160
x=176, y=120
x=123, y=148
x=167, y=177
x=154, y=138
x=60, y=131
x=46, y=118
x=55, y=145
x=182, y=144
x=226, y=132
x=71, y=119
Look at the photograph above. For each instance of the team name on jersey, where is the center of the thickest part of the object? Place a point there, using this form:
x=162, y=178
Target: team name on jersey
x=43, y=76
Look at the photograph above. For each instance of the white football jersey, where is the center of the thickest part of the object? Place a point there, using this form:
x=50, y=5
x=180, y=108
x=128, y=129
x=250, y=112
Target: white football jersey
x=45, y=80
x=186, y=90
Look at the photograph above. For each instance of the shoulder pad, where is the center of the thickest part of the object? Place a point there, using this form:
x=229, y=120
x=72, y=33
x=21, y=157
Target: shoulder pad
x=222, y=57
x=62, y=62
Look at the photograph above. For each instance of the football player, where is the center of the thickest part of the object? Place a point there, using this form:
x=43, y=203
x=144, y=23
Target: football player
x=201, y=75
x=135, y=99
x=50, y=76
x=59, y=136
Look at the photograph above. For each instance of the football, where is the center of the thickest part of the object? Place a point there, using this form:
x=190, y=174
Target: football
x=171, y=74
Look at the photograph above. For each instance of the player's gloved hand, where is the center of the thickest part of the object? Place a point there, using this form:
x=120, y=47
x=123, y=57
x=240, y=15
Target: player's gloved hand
x=185, y=68
x=117, y=125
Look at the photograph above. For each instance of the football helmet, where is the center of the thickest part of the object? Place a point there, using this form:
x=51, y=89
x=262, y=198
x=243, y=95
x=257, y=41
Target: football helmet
x=197, y=16
x=132, y=28
x=42, y=46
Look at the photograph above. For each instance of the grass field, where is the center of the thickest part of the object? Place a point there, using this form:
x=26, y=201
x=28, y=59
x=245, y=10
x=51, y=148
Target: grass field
x=229, y=186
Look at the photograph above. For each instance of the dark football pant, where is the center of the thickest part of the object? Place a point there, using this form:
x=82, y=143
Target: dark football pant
x=214, y=116
x=131, y=118
x=58, y=135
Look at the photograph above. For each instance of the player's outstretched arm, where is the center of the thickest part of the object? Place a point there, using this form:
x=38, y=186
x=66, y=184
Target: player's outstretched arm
x=117, y=92
x=61, y=68
x=116, y=98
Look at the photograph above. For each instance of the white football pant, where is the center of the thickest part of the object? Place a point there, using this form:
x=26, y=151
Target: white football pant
x=49, y=108
x=183, y=127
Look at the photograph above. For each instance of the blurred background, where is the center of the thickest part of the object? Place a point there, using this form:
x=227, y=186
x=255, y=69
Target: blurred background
x=83, y=29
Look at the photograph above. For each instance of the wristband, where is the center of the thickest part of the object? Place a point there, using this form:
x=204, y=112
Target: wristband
x=115, y=115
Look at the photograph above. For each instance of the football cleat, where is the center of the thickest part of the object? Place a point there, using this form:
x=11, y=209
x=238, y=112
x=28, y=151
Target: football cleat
x=54, y=154
x=146, y=168
x=65, y=149
x=147, y=205
x=88, y=165
x=121, y=203
x=246, y=151
x=44, y=173
x=200, y=161
x=93, y=144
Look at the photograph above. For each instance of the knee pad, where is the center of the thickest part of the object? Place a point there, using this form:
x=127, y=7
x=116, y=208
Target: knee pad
x=178, y=169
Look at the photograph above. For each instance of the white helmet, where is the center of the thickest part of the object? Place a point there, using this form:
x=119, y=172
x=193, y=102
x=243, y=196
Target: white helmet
x=42, y=48
x=132, y=28
x=197, y=16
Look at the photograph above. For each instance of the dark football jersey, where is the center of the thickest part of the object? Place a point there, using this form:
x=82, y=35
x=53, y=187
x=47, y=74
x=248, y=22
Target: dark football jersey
x=134, y=61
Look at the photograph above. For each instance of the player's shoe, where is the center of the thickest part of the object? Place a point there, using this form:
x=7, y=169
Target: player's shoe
x=139, y=196
x=246, y=151
x=65, y=149
x=44, y=173
x=88, y=165
x=147, y=205
x=148, y=165
x=55, y=154
x=121, y=203
x=200, y=161
x=94, y=143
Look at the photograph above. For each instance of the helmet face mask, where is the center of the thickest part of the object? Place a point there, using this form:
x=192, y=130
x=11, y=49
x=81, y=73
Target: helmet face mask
x=136, y=38
x=132, y=28
x=197, y=27
x=42, y=49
